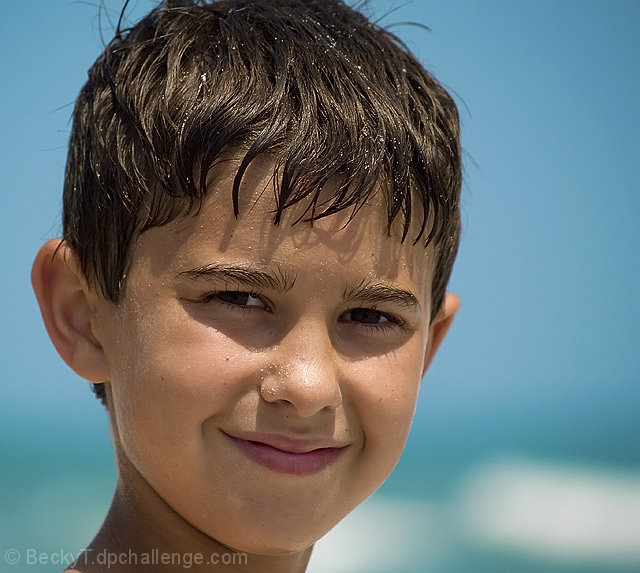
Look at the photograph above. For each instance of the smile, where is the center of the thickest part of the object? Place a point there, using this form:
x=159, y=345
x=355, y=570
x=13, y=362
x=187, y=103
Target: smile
x=287, y=456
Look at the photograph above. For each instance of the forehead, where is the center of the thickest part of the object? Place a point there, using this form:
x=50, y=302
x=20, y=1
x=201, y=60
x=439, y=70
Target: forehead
x=345, y=243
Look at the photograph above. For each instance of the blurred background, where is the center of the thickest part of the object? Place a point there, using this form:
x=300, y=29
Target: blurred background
x=525, y=453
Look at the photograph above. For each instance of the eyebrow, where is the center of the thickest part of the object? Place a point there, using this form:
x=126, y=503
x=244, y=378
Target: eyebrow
x=279, y=281
x=375, y=293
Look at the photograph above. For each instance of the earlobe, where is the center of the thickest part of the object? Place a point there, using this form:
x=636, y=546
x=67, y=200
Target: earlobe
x=440, y=326
x=63, y=297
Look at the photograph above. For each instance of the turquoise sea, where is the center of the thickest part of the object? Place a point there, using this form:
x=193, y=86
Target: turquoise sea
x=467, y=497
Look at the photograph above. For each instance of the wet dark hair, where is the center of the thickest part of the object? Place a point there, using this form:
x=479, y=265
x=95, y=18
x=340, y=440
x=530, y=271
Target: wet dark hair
x=312, y=83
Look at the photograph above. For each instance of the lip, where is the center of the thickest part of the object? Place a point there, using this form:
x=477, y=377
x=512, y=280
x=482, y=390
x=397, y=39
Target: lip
x=286, y=455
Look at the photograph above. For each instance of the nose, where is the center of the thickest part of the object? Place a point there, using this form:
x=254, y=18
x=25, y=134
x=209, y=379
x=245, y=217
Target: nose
x=304, y=372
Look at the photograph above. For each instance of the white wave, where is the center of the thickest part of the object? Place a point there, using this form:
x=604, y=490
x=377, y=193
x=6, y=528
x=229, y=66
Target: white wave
x=553, y=512
x=545, y=513
x=380, y=536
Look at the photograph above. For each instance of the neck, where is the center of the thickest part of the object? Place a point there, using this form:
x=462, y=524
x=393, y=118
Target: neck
x=141, y=529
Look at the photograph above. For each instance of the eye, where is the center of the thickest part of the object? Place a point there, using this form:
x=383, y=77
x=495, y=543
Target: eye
x=370, y=317
x=365, y=315
x=236, y=298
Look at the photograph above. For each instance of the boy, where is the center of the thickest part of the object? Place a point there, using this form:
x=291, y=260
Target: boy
x=261, y=212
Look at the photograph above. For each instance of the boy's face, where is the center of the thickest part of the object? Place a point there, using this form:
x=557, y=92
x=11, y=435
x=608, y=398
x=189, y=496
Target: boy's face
x=262, y=379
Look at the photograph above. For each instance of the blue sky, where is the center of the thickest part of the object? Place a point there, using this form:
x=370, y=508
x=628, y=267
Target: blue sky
x=548, y=272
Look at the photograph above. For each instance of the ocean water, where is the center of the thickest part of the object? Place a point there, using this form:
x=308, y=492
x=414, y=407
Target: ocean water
x=452, y=506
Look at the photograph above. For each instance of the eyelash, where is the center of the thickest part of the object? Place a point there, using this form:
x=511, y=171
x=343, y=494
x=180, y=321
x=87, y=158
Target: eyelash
x=392, y=321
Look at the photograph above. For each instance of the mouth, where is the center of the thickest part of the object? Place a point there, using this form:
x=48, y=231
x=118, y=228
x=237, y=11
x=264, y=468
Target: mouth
x=286, y=455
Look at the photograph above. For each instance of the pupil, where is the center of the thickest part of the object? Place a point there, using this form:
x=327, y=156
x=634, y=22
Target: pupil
x=365, y=315
x=240, y=298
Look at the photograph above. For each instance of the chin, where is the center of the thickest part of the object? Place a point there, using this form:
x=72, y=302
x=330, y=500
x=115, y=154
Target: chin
x=279, y=533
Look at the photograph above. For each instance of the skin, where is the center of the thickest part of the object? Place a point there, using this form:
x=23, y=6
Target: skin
x=314, y=336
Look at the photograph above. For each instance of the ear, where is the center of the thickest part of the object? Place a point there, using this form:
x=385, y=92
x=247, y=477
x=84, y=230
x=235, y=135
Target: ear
x=65, y=302
x=440, y=326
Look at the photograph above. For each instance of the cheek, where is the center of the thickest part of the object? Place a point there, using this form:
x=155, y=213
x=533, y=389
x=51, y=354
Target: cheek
x=168, y=381
x=385, y=401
